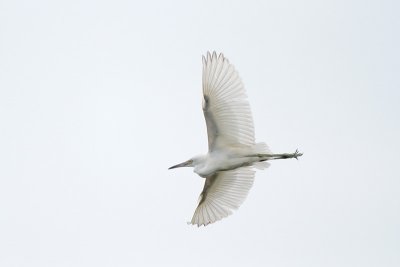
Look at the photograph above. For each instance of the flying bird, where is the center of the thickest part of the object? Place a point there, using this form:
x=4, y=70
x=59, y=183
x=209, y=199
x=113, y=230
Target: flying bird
x=233, y=155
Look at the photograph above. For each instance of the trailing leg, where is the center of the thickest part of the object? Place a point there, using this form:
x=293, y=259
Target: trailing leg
x=264, y=157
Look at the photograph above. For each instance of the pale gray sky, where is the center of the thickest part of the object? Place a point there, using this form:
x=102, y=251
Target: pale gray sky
x=99, y=98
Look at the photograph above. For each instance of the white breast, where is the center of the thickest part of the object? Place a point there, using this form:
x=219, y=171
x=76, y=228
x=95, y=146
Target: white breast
x=214, y=162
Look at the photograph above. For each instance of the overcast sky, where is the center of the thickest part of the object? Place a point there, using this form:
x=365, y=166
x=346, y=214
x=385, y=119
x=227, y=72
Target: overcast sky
x=99, y=98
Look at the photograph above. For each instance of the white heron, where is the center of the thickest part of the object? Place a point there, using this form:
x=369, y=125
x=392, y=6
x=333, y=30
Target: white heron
x=228, y=167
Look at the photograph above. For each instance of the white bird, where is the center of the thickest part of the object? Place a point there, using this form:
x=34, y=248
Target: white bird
x=228, y=167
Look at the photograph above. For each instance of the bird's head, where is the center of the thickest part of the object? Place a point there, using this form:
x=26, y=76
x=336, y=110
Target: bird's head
x=189, y=163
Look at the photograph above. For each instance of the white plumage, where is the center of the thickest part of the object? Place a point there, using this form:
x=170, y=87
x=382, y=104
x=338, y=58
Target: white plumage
x=226, y=109
x=232, y=152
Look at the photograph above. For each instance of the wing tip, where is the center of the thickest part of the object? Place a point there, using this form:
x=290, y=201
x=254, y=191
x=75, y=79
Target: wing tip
x=203, y=223
x=201, y=216
x=214, y=56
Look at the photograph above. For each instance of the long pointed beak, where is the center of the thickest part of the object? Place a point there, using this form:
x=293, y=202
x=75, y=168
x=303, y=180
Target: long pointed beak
x=183, y=164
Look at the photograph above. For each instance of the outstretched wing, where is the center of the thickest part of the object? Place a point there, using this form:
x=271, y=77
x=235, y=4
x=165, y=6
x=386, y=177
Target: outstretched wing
x=225, y=106
x=223, y=192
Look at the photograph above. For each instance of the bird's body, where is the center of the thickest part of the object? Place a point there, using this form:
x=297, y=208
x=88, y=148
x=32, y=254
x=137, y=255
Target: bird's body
x=232, y=151
x=225, y=159
x=216, y=161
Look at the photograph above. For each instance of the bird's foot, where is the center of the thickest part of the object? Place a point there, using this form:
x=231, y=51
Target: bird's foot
x=297, y=154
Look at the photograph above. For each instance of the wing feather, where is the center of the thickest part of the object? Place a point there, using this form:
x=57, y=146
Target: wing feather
x=225, y=106
x=223, y=192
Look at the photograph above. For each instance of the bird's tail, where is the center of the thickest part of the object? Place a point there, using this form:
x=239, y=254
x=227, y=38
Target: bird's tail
x=261, y=148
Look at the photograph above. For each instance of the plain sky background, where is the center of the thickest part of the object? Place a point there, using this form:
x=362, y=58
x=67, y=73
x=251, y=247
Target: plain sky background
x=99, y=98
